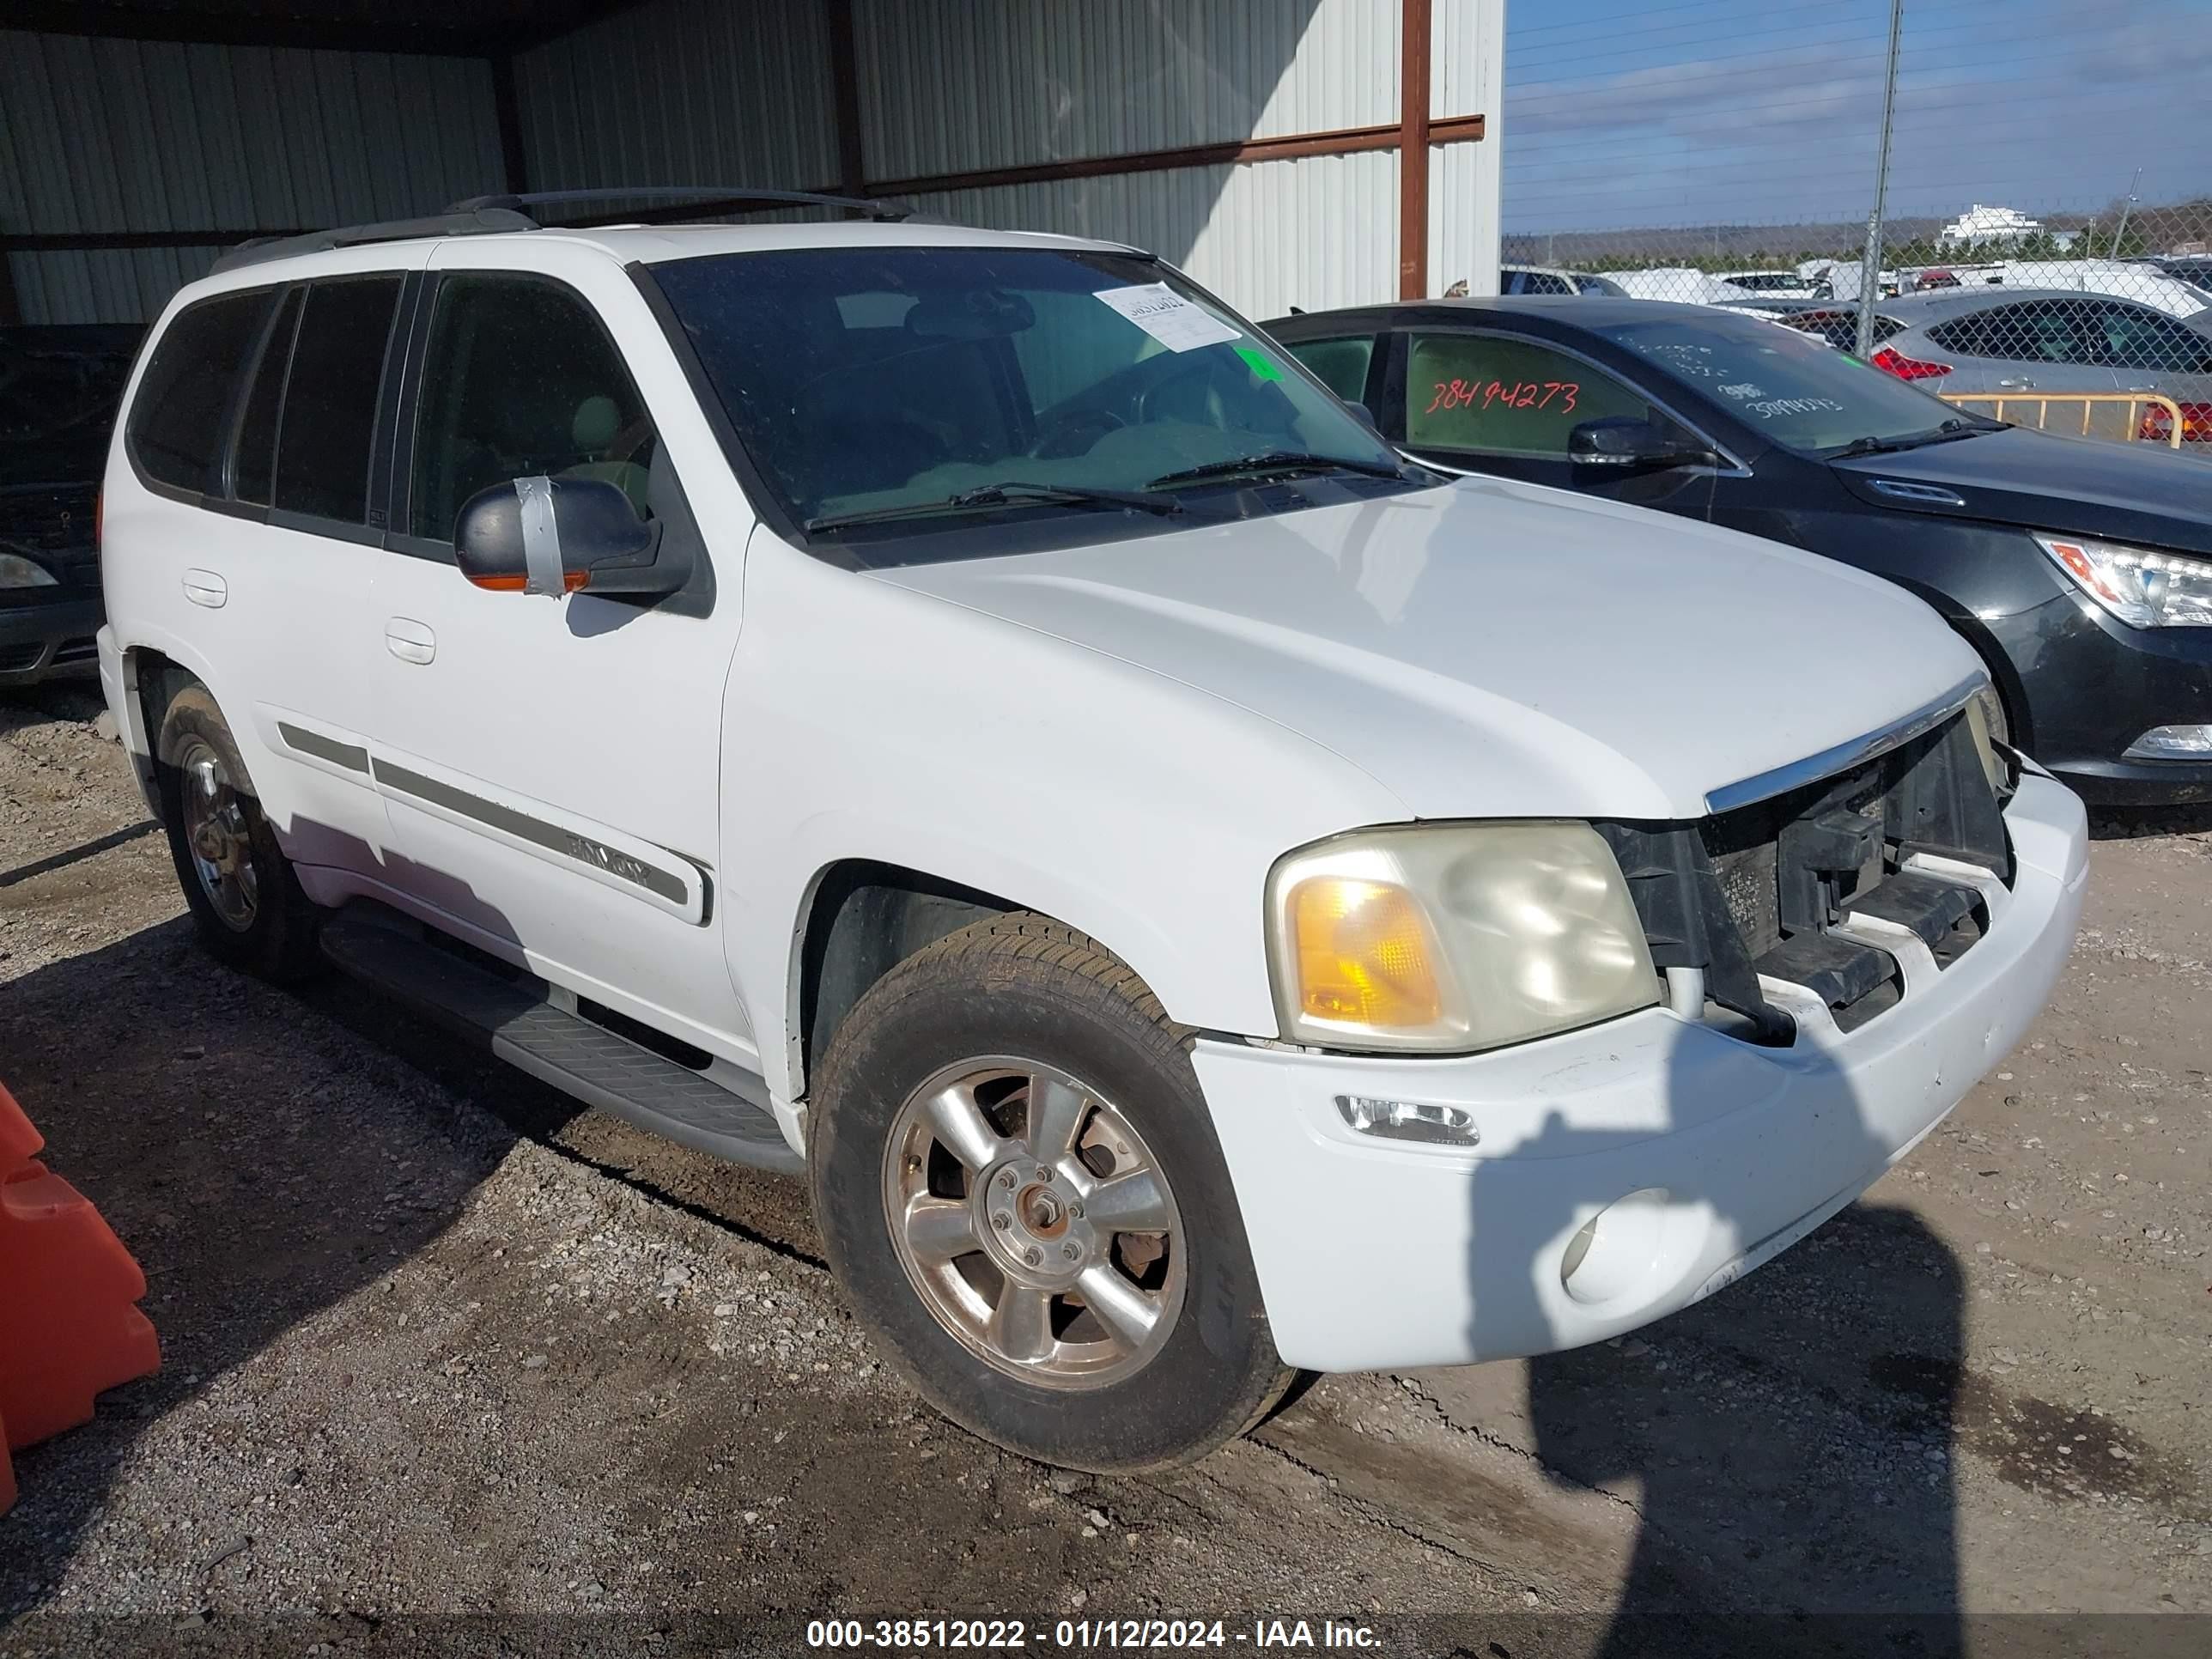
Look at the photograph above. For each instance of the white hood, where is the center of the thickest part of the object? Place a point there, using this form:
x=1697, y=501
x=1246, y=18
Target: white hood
x=1497, y=649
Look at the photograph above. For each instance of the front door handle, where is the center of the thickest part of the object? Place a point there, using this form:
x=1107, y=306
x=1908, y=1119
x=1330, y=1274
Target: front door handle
x=409, y=640
x=2016, y=384
x=205, y=587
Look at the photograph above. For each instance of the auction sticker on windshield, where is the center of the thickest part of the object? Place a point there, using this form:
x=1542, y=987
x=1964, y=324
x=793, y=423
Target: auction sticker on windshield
x=1168, y=318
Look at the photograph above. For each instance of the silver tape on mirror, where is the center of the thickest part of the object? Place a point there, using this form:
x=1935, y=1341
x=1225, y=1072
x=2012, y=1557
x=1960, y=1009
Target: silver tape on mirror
x=541, y=537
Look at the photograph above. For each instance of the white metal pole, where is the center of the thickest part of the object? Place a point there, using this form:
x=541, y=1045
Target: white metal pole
x=2126, y=208
x=1870, y=265
x=1489, y=203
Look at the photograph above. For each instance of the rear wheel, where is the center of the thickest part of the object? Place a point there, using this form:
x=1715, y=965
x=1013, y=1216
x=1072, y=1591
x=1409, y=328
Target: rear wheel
x=244, y=898
x=1019, y=1188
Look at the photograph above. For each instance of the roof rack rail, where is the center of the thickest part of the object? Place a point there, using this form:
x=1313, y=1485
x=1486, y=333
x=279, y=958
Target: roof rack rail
x=700, y=199
x=481, y=215
x=454, y=222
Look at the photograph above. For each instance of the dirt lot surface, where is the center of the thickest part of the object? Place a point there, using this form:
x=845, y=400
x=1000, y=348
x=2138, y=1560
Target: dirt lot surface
x=448, y=1363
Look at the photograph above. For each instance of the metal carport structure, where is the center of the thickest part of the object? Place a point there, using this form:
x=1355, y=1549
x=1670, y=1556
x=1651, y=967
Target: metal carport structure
x=1309, y=152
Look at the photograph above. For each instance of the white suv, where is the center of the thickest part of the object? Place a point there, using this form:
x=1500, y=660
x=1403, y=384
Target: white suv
x=965, y=715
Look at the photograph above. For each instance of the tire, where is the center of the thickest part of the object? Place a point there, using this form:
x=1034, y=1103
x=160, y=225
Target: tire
x=245, y=899
x=1035, y=1007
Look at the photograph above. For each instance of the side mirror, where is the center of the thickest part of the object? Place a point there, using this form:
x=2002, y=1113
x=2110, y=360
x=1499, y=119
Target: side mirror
x=1626, y=444
x=556, y=535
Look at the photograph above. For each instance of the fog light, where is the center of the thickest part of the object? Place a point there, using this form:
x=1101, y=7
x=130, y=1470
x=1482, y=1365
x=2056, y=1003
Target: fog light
x=2172, y=743
x=1618, y=1249
x=1409, y=1119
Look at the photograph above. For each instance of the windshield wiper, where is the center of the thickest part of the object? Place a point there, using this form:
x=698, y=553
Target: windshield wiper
x=1012, y=492
x=1957, y=426
x=1276, y=461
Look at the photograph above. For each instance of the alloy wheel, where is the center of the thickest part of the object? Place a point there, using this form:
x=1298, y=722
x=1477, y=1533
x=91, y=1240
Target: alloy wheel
x=1035, y=1222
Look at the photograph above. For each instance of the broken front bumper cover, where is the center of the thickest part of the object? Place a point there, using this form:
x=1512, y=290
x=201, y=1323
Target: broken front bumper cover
x=1620, y=1172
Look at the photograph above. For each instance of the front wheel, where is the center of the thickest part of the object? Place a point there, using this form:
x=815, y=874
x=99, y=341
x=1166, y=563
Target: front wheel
x=1019, y=1188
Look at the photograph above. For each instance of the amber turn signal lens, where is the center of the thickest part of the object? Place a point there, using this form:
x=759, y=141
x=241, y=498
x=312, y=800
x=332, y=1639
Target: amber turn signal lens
x=571, y=582
x=1362, y=954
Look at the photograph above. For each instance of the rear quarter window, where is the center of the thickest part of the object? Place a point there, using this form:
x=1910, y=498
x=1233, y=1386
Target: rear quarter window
x=176, y=422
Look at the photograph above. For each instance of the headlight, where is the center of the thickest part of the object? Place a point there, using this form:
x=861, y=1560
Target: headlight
x=16, y=571
x=2142, y=587
x=1453, y=936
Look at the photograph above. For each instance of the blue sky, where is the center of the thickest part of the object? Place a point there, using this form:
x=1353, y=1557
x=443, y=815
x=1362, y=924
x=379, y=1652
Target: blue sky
x=1688, y=112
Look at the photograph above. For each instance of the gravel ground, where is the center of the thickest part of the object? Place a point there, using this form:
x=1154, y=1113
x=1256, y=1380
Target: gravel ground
x=449, y=1364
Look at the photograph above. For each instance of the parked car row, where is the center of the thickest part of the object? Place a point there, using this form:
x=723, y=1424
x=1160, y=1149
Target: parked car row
x=1985, y=341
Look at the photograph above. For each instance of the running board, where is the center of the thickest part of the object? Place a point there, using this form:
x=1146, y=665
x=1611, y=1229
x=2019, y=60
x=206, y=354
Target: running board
x=608, y=1073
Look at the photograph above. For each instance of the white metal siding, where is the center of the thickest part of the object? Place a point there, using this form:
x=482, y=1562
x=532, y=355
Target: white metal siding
x=98, y=134
x=1317, y=232
x=953, y=85
x=1466, y=77
x=684, y=92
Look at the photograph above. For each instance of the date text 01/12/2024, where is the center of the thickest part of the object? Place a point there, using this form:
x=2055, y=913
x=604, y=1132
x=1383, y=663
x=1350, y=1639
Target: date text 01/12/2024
x=1084, y=1635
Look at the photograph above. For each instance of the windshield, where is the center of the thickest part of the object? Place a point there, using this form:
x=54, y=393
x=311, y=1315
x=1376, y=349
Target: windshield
x=883, y=390
x=1791, y=389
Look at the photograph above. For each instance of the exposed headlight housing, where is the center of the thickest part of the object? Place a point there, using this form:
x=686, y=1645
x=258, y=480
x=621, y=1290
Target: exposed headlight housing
x=1449, y=938
x=16, y=571
x=2142, y=587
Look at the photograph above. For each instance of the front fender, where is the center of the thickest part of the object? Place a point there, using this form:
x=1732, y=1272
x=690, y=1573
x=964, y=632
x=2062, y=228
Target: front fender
x=866, y=722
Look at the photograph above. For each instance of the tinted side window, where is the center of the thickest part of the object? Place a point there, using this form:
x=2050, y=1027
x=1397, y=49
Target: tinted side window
x=2038, y=331
x=1340, y=365
x=1840, y=329
x=1501, y=397
x=2135, y=336
x=177, y=422
x=329, y=399
x=253, y=459
x=521, y=380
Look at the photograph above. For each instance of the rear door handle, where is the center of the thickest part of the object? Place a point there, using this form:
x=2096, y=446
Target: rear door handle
x=205, y=587
x=2016, y=384
x=409, y=640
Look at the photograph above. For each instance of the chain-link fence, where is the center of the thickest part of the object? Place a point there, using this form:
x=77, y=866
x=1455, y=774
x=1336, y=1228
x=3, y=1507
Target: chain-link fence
x=1725, y=154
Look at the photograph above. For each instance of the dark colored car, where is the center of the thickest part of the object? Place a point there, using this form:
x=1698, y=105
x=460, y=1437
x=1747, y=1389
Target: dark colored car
x=59, y=387
x=2080, y=570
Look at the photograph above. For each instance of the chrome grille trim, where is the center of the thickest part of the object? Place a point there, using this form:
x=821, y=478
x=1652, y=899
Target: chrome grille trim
x=1764, y=785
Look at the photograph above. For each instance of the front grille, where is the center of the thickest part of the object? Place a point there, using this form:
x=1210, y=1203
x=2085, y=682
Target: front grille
x=1756, y=892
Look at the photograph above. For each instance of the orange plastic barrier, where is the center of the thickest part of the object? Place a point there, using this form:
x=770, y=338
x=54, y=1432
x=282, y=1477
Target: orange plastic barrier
x=69, y=1323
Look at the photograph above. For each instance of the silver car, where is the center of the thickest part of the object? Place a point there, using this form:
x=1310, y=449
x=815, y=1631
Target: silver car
x=1991, y=342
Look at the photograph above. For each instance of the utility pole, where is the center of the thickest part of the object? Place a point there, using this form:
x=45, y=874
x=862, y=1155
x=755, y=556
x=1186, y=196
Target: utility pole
x=1870, y=264
x=2126, y=208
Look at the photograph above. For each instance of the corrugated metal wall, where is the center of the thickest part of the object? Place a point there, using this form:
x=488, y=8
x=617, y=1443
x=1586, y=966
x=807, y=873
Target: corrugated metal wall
x=1467, y=76
x=135, y=135
x=106, y=135
x=685, y=92
x=1012, y=81
x=1265, y=236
